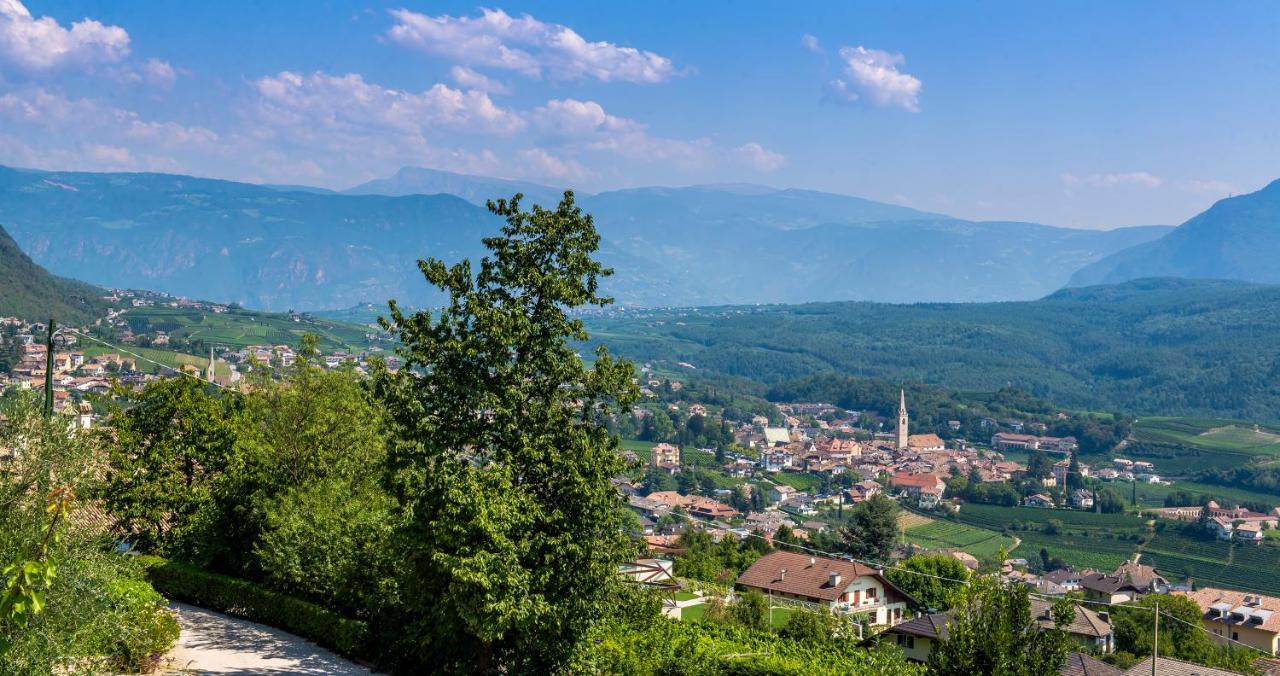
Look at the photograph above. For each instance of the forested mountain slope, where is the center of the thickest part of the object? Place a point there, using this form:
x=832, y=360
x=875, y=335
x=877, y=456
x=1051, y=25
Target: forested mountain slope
x=1159, y=346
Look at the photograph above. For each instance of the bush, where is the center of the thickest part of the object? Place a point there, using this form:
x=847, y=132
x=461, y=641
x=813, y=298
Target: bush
x=148, y=628
x=253, y=602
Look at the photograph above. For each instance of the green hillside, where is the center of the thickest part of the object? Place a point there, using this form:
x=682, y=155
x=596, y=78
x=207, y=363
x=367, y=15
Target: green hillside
x=1149, y=347
x=238, y=328
x=28, y=291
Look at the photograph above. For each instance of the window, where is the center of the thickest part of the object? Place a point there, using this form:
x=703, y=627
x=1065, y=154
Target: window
x=906, y=642
x=1235, y=636
x=871, y=594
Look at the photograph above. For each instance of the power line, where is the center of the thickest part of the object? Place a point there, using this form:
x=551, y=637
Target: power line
x=150, y=360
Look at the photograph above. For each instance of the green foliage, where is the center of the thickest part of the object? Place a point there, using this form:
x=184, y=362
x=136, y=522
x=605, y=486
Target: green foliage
x=705, y=559
x=751, y=611
x=1181, y=633
x=659, y=646
x=254, y=602
x=991, y=631
x=330, y=541
x=928, y=579
x=147, y=629
x=503, y=461
x=873, y=529
x=67, y=604
x=29, y=292
x=173, y=444
x=1162, y=347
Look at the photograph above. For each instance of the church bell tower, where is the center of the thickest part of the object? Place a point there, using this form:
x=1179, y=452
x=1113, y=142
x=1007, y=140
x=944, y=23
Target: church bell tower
x=901, y=442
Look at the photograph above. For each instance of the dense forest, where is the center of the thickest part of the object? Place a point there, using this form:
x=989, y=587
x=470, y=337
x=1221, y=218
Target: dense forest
x=1154, y=346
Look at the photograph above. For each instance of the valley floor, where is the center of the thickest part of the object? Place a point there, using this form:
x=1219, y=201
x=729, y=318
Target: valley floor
x=213, y=643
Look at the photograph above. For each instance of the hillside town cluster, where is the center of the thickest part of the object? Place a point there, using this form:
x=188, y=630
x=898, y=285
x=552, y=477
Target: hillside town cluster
x=913, y=468
x=82, y=366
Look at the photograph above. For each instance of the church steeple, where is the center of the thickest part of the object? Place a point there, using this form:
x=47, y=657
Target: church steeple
x=902, y=433
x=210, y=372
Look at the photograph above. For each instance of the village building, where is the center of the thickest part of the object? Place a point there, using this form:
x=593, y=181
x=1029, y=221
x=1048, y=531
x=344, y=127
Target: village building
x=919, y=636
x=1252, y=619
x=666, y=456
x=832, y=584
x=1126, y=583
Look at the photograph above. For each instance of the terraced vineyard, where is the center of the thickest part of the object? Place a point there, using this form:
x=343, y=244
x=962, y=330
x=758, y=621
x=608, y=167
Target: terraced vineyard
x=238, y=328
x=1211, y=434
x=1208, y=562
x=996, y=518
x=933, y=534
x=1099, y=553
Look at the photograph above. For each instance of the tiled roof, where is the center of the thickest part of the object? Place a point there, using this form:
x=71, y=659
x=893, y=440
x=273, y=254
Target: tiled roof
x=1207, y=597
x=1085, y=623
x=930, y=625
x=1170, y=667
x=1080, y=664
x=810, y=580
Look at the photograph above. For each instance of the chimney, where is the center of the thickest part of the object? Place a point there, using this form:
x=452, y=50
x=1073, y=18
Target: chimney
x=833, y=578
x=782, y=575
x=812, y=561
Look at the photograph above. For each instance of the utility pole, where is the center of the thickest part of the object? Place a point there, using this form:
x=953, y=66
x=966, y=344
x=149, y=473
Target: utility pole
x=1155, y=641
x=48, y=371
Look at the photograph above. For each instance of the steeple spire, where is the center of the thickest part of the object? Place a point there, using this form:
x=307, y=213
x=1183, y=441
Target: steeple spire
x=210, y=372
x=903, y=423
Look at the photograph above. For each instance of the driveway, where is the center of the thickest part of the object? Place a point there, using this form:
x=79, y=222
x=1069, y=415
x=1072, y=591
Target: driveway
x=213, y=643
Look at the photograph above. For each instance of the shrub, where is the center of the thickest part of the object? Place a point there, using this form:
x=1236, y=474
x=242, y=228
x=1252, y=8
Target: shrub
x=253, y=602
x=147, y=627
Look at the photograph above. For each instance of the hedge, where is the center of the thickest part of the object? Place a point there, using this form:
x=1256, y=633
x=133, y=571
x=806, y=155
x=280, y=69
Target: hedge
x=242, y=598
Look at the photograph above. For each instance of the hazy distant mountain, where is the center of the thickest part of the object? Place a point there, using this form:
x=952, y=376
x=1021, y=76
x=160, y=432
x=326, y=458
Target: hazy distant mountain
x=29, y=292
x=1236, y=238
x=274, y=248
x=474, y=189
x=789, y=246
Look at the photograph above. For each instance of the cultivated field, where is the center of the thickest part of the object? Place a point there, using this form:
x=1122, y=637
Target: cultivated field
x=236, y=329
x=1210, y=434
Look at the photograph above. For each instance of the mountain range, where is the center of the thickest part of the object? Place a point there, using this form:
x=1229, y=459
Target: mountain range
x=1154, y=346
x=292, y=247
x=1237, y=238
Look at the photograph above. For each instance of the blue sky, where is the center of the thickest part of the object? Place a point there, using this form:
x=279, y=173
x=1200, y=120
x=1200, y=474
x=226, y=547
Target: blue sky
x=1088, y=114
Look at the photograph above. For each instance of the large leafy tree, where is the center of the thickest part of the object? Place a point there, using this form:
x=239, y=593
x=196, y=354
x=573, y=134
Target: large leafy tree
x=873, y=529
x=502, y=462
x=990, y=630
x=173, y=442
x=931, y=580
x=1181, y=634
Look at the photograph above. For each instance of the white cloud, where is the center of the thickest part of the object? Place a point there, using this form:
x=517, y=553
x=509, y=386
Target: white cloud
x=586, y=125
x=874, y=74
x=543, y=165
x=1134, y=178
x=470, y=79
x=526, y=45
x=347, y=103
x=159, y=73
x=34, y=45
x=811, y=43
x=759, y=157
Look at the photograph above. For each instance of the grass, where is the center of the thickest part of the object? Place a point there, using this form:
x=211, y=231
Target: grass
x=1189, y=555
x=1152, y=495
x=1211, y=434
x=801, y=482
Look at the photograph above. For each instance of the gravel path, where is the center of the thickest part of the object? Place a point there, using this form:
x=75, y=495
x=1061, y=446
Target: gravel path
x=213, y=643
